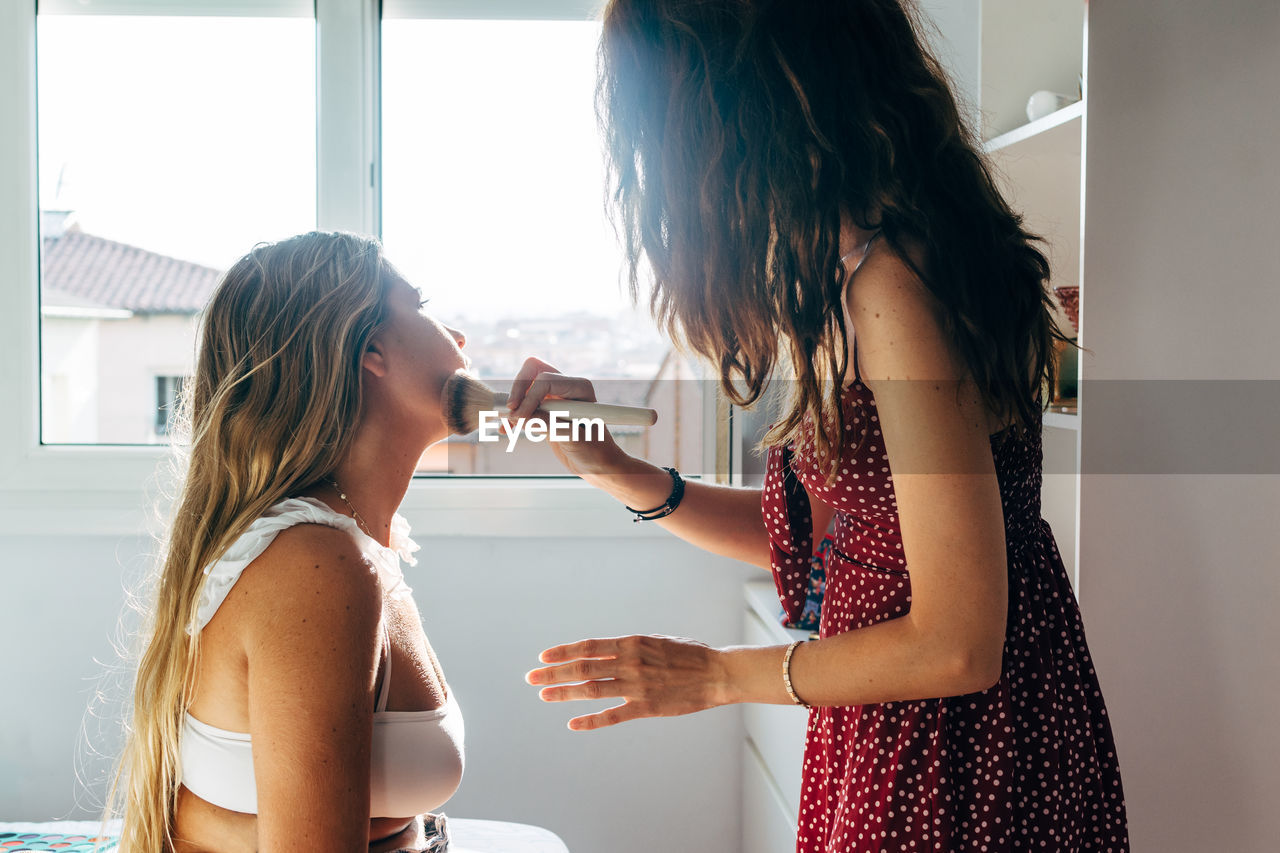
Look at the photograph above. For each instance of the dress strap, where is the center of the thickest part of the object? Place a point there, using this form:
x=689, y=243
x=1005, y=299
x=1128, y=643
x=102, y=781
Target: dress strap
x=384, y=690
x=866, y=250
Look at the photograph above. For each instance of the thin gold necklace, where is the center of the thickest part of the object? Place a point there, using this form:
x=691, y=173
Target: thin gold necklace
x=343, y=495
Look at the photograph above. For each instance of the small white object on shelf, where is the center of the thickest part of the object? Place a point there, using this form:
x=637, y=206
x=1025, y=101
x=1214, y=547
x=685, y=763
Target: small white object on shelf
x=1062, y=420
x=1044, y=102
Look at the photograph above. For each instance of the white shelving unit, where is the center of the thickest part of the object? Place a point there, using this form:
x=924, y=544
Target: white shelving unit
x=1062, y=420
x=1026, y=46
x=773, y=750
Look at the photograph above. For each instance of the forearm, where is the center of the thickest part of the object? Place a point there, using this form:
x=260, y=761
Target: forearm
x=890, y=661
x=719, y=519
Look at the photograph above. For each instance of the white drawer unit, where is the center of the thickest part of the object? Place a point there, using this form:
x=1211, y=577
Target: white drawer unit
x=773, y=752
x=768, y=824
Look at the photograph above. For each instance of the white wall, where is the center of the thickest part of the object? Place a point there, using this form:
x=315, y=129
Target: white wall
x=489, y=605
x=134, y=353
x=69, y=385
x=954, y=39
x=1180, y=574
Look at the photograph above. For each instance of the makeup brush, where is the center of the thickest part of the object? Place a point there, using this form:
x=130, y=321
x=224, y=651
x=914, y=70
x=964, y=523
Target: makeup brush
x=464, y=397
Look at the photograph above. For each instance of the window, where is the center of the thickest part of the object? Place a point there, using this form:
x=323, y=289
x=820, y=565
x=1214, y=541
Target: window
x=174, y=134
x=168, y=145
x=493, y=205
x=168, y=392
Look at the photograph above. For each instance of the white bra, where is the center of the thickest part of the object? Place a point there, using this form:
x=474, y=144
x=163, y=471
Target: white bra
x=418, y=757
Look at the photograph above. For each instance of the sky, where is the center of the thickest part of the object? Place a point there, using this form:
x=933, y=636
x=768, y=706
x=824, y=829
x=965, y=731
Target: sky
x=195, y=137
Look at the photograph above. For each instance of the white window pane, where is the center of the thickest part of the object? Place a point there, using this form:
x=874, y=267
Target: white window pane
x=579, y=10
x=168, y=146
x=493, y=205
x=225, y=8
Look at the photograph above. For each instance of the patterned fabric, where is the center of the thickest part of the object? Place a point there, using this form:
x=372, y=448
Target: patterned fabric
x=74, y=842
x=1027, y=764
x=811, y=612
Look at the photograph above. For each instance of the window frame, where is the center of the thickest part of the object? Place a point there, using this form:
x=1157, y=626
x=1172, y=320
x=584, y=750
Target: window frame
x=111, y=489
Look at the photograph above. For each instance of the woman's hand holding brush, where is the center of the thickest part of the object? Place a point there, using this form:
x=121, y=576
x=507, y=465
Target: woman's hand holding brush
x=537, y=382
x=555, y=403
x=720, y=519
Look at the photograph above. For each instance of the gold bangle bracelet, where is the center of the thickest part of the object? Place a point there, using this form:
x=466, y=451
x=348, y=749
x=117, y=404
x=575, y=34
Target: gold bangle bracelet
x=786, y=674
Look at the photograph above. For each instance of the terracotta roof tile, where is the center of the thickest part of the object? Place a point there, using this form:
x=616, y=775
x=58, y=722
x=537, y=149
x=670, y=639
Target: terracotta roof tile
x=83, y=269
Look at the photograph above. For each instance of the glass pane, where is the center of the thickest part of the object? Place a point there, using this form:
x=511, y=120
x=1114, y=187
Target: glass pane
x=493, y=205
x=168, y=147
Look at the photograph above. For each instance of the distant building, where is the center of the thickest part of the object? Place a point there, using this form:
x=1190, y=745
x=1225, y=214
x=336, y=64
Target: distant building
x=117, y=335
x=118, y=331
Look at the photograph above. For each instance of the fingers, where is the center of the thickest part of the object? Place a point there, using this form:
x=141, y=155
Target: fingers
x=655, y=676
x=537, y=381
x=528, y=371
x=587, y=690
x=611, y=717
x=546, y=385
x=570, y=673
x=599, y=648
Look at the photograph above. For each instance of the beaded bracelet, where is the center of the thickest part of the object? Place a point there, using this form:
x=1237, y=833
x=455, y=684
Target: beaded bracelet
x=786, y=674
x=668, y=506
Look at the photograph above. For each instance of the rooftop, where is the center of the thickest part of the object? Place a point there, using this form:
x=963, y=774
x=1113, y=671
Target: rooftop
x=81, y=270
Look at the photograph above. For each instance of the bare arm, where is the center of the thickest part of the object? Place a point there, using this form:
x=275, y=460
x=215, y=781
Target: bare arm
x=935, y=430
x=719, y=519
x=311, y=640
x=936, y=434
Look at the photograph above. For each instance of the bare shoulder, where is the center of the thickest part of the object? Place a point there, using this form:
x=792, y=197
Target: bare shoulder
x=895, y=320
x=310, y=575
x=311, y=634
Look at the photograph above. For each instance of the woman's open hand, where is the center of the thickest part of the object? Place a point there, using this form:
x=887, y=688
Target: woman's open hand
x=654, y=676
x=538, y=381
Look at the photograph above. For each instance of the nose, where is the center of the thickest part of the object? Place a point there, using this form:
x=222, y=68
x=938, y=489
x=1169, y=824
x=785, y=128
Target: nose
x=458, y=336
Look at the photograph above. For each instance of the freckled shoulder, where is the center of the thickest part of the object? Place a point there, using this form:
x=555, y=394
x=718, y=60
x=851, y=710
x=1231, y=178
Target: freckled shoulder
x=310, y=572
x=895, y=322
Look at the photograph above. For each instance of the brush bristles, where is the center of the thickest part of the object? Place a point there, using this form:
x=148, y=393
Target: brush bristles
x=464, y=398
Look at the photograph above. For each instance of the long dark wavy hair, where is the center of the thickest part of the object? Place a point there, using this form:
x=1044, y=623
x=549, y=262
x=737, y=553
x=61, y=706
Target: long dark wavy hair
x=740, y=131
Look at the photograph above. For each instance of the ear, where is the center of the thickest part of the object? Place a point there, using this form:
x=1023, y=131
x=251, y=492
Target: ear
x=373, y=360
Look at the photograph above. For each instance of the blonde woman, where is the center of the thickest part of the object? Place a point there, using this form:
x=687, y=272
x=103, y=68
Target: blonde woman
x=288, y=698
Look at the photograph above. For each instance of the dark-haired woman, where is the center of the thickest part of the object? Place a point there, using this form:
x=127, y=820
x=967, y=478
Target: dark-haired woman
x=798, y=180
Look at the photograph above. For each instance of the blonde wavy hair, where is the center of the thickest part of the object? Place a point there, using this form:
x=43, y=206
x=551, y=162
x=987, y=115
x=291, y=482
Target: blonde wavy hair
x=270, y=411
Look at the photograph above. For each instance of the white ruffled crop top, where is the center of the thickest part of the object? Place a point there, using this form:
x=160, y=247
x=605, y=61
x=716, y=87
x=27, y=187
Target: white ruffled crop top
x=418, y=756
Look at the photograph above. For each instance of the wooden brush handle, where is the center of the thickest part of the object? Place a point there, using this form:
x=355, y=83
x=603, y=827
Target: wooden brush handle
x=610, y=413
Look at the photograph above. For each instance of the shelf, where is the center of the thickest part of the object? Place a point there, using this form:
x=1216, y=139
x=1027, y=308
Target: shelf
x=1026, y=46
x=1057, y=134
x=1037, y=166
x=1062, y=420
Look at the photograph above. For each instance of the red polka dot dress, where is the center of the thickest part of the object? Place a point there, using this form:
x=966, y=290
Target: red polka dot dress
x=1028, y=764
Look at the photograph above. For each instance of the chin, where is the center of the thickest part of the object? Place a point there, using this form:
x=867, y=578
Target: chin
x=437, y=432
